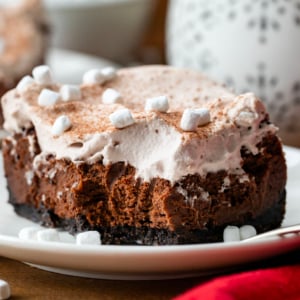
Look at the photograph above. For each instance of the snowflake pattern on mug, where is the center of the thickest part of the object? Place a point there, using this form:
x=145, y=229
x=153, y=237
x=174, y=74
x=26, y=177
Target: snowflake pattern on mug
x=251, y=45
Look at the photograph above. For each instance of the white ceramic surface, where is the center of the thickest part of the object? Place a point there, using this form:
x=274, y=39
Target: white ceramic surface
x=107, y=28
x=249, y=45
x=144, y=262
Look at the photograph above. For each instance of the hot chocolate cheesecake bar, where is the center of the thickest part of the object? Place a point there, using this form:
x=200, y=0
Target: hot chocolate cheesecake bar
x=145, y=155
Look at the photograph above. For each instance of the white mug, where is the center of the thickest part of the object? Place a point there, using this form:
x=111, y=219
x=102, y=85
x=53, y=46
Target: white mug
x=249, y=45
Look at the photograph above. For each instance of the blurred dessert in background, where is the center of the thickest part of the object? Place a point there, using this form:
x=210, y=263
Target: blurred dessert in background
x=23, y=41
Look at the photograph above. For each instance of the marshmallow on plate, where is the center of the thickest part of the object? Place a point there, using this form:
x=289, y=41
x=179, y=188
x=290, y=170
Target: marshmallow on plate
x=88, y=238
x=234, y=233
x=28, y=233
x=48, y=235
x=247, y=231
x=4, y=290
x=231, y=234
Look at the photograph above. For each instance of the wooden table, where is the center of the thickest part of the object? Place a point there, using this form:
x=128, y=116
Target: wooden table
x=30, y=283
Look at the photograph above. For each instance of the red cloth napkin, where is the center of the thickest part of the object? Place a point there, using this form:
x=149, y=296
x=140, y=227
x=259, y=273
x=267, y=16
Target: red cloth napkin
x=280, y=283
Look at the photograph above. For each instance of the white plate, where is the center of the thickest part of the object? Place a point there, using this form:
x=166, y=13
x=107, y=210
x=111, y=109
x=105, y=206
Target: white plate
x=144, y=262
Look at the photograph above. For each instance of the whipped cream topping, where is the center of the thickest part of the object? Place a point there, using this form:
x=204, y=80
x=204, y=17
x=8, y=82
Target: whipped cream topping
x=154, y=144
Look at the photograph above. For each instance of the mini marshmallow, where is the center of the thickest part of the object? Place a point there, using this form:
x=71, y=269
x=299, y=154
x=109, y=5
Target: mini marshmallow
x=48, y=235
x=42, y=75
x=48, y=97
x=61, y=124
x=247, y=231
x=159, y=103
x=88, y=238
x=70, y=92
x=111, y=96
x=121, y=118
x=231, y=234
x=93, y=76
x=109, y=73
x=24, y=84
x=192, y=118
x=4, y=290
x=28, y=233
x=204, y=115
x=66, y=237
x=189, y=120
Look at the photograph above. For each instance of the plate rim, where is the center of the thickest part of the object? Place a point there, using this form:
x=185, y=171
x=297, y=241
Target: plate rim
x=59, y=255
